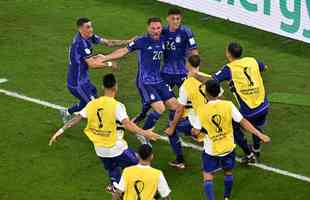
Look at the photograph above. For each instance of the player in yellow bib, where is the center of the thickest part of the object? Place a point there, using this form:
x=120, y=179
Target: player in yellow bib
x=190, y=98
x=244, y=76
x=103, y=116
x=216, y=116
x=142, y=182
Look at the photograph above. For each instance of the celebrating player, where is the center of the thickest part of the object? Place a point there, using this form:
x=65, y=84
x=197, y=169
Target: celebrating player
x=142, y=181
x=152, y=88
x=80, y=59
x=216, y=117
x=102, y=115
x=244, y=75
x=179, y=45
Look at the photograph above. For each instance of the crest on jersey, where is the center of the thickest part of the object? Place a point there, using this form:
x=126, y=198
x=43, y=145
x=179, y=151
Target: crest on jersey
x=178, y=39
x=152, y=96
x=149, y=48
x=87, y=51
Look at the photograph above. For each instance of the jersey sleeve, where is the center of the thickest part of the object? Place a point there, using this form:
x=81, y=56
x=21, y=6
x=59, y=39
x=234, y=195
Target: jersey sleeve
x=261, y=65
x=236, y=115
x=83, y=112
x=195, y=121
x=182, y=96
x=121, y=112
x=96, y=39
x=191, y=43
x=162, y=186
x=135, y=45
x=121, y=185
x=223, y=75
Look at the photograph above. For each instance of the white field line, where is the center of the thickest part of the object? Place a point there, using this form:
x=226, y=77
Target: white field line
x=190, y=145
x=3, y=80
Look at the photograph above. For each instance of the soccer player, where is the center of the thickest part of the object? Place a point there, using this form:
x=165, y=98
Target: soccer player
x=142, y=181
x=216, y=117
x=151, y=86
x=190, y=98
x=180, y=44
x=244, y=76
x=102, y=114
x=81, y=58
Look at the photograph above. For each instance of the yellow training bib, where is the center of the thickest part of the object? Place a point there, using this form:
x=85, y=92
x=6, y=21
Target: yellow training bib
x=140, y=182
x=247, y=81
x=101, y=122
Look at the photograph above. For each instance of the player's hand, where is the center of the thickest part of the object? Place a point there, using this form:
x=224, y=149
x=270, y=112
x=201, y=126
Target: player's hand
x=132, y=39
x=265, y=138
x=149, y=134
x=54, y=137
x=169, y=131
x=195, y=132
x=114, y=65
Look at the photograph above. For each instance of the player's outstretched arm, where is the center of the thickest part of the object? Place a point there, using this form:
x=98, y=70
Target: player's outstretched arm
x=97, y=62
x=249, y=127
x=117, y=195
x=119, y=53
x=132, y=127
x=116, y=43
x=74, y=121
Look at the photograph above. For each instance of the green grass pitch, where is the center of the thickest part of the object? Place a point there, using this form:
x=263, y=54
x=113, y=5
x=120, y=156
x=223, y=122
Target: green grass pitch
x=34, y=40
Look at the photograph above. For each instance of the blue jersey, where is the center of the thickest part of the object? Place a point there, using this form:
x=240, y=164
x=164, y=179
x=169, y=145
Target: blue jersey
x=80, y=50
x=149, y=58
x=225, y=75
x=177, y=45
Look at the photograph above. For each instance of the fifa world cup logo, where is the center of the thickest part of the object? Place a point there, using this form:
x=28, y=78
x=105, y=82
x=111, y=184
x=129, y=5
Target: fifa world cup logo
x=217, y=120
x=245, y=71
x=139, y=186
x=99, y=117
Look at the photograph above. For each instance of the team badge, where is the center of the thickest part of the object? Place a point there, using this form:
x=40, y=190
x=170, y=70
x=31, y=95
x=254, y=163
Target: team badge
x=152, y=96
x=87, y=51
x=178, y=39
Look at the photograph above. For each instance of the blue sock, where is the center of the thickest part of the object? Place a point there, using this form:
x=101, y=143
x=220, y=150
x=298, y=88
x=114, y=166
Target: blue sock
x=228, y=182
x=176, y=146
x=208, y=187
x=151, y=120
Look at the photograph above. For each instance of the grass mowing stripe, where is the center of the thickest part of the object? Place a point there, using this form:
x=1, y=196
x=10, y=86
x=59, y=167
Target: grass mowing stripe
x=288, y=98
x=261, y=166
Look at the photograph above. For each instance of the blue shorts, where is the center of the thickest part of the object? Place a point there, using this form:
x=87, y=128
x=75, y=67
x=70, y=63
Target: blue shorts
x=184, y=126
x=84, y=92
x=126, y=159
x=212, y=163
x=155, y=92
x=259, y=119
x=174, y=79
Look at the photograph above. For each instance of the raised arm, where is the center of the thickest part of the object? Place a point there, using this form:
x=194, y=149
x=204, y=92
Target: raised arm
x=119, y=53
x=97, y=62
x=116, y=43
x=74, y=121
x=177, y=117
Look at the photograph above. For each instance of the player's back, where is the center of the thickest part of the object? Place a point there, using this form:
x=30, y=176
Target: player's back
x=141, y=182
x=192, y=88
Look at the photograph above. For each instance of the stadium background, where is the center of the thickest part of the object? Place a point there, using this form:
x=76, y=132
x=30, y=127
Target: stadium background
x=34, y=39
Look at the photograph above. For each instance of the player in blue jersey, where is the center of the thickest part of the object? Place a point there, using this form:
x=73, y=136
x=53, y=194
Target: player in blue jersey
x=81, y=58
x=244, y=77
x=180, y=44
x=152, y=88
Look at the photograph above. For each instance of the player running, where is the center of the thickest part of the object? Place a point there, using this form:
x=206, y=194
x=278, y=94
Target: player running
x=102, y=116
x=216, y=117
x=151, y=86
x=244, y=76
x=81, y=58
x=180, y=44
x=142, y=181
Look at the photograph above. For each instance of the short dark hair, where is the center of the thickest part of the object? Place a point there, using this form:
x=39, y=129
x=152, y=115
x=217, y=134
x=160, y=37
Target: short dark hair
x=153, y=19
x=145, y=151
x=109, y=81
x=213, y=88
x=174, y=11
x=194, y=60
x=81, y=21
x=235, y=49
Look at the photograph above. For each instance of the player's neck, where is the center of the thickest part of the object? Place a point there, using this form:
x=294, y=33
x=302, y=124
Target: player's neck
x=109, y=93
x=144, y=163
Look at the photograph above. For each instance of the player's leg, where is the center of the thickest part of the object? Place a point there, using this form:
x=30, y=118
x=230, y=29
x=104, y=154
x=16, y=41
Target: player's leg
x=114, y=171
x=258, y=122
x=127, y=158
x=241, y=141
x=228, y=163
x=210, y=165
x=176, y=144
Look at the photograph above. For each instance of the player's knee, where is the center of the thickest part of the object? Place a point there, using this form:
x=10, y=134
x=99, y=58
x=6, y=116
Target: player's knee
x=159, y=107
x=207, y=176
